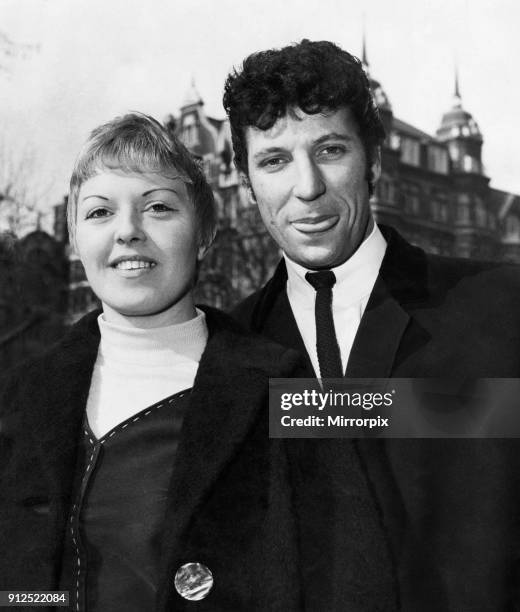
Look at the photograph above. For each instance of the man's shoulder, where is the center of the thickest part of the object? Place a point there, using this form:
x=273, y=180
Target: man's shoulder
x=244, y=311
x=233, y=340
x=483, y=280
x=408, y=265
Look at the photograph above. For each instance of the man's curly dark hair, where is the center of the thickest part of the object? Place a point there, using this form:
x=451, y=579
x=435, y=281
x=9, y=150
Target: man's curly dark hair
x=314, y=76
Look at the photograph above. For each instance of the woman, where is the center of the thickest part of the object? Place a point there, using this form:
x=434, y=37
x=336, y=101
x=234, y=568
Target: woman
x=135, y=469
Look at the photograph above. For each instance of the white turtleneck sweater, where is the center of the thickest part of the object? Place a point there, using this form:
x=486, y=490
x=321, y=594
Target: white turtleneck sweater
x=135, y=368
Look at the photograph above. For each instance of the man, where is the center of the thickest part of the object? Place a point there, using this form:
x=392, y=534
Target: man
x=405, y=524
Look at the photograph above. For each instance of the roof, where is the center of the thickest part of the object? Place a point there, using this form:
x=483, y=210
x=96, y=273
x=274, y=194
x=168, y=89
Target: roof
x=409, y=130
x=503, y=201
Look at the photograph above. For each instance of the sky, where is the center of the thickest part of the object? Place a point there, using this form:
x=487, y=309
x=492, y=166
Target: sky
x=82, y=62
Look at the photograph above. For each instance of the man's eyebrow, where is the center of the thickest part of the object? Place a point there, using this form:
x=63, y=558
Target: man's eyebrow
x=333, y=136
x=175, y=191
x=267, y=150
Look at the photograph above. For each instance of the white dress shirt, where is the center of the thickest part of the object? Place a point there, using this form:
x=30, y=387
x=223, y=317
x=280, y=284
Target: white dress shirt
x=355, y=280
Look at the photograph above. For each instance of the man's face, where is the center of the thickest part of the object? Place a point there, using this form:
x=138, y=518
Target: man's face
x=308, y=176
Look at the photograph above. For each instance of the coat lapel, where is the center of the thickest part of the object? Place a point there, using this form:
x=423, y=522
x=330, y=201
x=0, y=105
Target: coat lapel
x=56, y=419
x=229, y=391
x=49, y=400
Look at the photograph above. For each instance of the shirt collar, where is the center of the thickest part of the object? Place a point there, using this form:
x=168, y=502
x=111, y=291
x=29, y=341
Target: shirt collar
x=355, y=277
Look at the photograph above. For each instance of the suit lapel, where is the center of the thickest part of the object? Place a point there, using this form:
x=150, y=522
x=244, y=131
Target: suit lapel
x=378, y=337
x=400, y=287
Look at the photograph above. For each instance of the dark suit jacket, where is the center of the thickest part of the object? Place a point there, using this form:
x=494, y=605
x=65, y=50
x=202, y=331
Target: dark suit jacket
x=230, y=497
x=449, y=508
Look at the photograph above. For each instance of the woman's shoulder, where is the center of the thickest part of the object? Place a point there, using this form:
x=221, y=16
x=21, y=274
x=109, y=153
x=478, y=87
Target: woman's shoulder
x=229, y=340
x=26, y=379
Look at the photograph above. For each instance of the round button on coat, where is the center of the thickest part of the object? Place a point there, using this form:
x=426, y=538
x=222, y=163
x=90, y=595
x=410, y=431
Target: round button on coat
x=193, y=581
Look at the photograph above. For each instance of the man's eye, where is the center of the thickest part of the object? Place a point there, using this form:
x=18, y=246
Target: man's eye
x=273, y=162
x=331, y=151
x=98, y=213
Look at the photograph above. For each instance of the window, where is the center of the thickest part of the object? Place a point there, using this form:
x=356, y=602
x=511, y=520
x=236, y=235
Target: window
x=410, y=152
x=463, y=209
x=189, y=131
x=395, y=141
x=469, y=164
x=437, y=159
x=513, y=226
x=480, y=213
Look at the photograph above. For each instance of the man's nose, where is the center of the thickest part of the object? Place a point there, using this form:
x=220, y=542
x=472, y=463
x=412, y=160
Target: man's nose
x=309, y=183
x=129, y=227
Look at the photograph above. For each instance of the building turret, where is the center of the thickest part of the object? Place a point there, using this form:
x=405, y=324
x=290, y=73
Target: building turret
x=194, y=129
x=461, y=133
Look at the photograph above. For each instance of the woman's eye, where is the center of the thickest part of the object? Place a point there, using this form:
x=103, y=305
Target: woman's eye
x=98, y=213
x=159, y=207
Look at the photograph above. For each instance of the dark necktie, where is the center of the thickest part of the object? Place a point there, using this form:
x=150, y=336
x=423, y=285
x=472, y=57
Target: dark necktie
x=329, y=356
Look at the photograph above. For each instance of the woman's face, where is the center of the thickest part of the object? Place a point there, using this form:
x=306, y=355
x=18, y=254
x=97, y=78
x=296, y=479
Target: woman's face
x=136, y=235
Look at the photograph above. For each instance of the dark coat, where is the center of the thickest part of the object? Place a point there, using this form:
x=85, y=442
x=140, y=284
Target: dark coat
x=230, y=497
x=449, y=508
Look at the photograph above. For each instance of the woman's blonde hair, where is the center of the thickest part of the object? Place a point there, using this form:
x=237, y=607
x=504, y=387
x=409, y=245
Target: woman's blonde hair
x=138, y=143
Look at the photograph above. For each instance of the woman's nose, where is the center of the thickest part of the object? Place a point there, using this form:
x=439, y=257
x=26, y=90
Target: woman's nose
x=309, y=183
x=129, y=228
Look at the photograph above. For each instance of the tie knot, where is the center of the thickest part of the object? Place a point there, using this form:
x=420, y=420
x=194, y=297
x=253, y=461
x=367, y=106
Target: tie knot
x=325, y=279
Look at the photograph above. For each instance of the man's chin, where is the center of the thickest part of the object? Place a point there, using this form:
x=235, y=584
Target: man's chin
x=317, y=259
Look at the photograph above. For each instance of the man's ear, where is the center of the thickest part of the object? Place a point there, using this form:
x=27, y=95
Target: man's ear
x=202, y=250
x=376, y=166
x=247, y=185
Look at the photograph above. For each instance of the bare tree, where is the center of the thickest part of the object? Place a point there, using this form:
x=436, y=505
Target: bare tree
x=21, y=191
x=9, y=51
x=19, y=195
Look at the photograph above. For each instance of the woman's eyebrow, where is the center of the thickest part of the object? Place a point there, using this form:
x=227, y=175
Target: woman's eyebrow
x=95, y=196
x=160, y=189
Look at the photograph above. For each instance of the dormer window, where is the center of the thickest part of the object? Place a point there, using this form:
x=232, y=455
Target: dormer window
x=410, y=151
